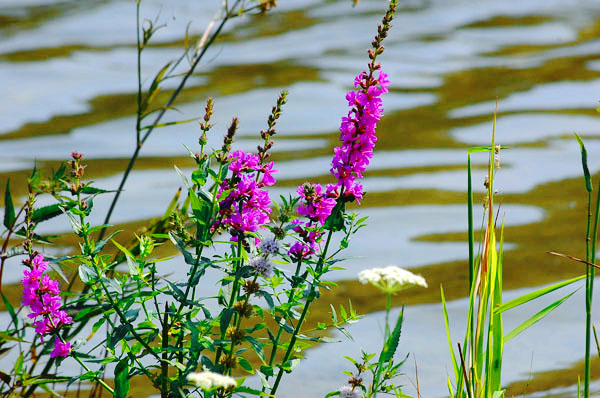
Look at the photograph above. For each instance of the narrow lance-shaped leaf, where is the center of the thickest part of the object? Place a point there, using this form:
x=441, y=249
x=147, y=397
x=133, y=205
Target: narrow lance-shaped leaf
x=447, y=325
x=533, y=295
x=389, y=349
x=121, y=379
x=9, y=208
x=536, y=318
x=51, y=211
x=586, y=170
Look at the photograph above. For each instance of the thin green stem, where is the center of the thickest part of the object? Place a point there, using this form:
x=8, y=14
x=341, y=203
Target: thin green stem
x=309, y=300
x=140, y=143
x=238, y=264
x=291, y=296
x=138, y=127
x=588, y=300
x=164, y=393
x=122, y=316
x=388, y=306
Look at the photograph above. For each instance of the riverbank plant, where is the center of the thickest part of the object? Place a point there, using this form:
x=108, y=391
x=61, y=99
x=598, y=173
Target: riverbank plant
x=111, y=308
x=477, y=359
x=115, y=312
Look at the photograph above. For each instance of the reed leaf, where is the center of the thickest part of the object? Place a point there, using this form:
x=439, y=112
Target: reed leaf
x=538, y=293
x=536, y=318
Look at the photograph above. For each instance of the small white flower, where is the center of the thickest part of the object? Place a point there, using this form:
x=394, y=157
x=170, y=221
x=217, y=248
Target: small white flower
x=262, y=266
x=348, y=392
x=391, y=279
x=209, y=380
x=269, y=246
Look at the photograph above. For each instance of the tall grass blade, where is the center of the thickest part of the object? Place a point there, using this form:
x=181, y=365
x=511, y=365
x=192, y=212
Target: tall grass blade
x=596, y=339
x=496, y=324
x=536, y=318
x=470, y=221
x=454, y=363
x=538, y=293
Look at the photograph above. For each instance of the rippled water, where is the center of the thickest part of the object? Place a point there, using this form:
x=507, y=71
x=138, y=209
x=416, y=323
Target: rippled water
x=68, y=83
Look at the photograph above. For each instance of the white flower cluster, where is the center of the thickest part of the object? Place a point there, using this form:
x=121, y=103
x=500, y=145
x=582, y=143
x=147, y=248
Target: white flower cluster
x=269, y=246
x=209, y=380
x=391, y=279
x=262, y=266
x=348, y=392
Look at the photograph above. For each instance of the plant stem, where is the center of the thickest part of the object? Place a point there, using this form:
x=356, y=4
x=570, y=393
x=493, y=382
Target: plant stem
x=140, y=142
x=590, y=273
x=164, y=393
x=588, y=300
x=234, y=288
x=309, y=300
x=290, y=298
x=6, y=242
x=388, y=306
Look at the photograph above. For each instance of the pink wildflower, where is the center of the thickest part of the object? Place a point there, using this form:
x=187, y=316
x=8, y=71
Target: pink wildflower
x=358, y=137
x=60, y=349
x=42, y=295
x=246, y=207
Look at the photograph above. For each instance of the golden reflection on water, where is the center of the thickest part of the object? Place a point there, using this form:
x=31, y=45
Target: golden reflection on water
x=419, y=127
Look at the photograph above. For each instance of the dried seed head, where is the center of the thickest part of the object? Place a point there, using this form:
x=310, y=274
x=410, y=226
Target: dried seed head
x=251, y=287
x=355, y=381
x=244, y=309
x=234, y=334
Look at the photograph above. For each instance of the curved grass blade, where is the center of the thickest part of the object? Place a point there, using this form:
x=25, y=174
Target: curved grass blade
x=538, y=293
x=536, y=318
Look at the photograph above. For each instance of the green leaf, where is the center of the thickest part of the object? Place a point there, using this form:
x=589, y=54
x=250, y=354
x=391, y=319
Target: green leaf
x=586, y=170
x=152, y=126
x=246, y=365
x=121, y=379
x=252, y=391
x=45, y=380
x=389, y=349
x=7, y=337
x=226, y=316
x=447, y=325
x=533, y=295
x=187, y=256
x=118, y=334
x=100, y=245
x=199, y=177
x=86, y=274
x=172, y=205
x=256, y=346
x=536, y=318
x=266, y=370
x=93, y=190
x=51, y=211
x=10, y=309
x=9, y=208
x=264, y=381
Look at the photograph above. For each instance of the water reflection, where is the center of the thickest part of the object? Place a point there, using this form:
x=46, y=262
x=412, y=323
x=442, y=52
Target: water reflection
x=71, y=85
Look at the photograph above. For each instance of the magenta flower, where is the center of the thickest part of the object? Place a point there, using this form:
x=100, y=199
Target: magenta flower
x=60, y=349
x=42, y=295
x=268, y=171
x=358, y=137
x=247, y=206
x=316, y=204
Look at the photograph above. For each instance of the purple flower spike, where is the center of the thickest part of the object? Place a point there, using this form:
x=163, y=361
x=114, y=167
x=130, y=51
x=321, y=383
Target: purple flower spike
x=358, y=137
x=42, y=295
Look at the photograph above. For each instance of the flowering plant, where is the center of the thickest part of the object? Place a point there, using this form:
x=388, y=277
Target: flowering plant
x=270, y=259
